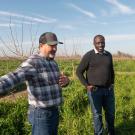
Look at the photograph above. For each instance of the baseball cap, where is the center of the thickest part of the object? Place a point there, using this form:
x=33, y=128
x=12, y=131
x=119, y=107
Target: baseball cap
x=49, y=38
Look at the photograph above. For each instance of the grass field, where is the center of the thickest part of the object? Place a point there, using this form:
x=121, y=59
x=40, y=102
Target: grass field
x=75, y=113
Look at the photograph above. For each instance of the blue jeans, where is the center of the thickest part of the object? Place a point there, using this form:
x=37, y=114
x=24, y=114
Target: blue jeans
x=102, y=98
x=44, y=121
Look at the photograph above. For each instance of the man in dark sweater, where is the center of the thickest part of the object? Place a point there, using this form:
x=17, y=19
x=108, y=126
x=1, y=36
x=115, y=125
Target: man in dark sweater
x=96, y=73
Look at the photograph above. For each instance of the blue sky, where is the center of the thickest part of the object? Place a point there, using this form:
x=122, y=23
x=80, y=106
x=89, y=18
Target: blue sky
x=75, y=23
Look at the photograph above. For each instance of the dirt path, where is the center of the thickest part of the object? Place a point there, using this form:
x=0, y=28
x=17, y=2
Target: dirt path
x=14, y=96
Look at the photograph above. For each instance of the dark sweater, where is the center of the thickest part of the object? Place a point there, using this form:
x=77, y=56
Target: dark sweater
x=98, y=68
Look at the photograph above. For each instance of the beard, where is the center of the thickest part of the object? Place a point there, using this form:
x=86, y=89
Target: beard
x=51, y=55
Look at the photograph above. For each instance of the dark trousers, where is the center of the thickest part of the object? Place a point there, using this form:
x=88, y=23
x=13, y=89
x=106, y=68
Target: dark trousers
x=44, y=121
x=102, y=98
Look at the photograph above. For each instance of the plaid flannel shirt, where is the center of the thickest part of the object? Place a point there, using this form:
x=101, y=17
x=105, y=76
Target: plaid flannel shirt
x=41, y=77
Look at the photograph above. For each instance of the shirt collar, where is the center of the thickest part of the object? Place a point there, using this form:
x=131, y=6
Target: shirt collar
x=41, y=55
x=104, y=52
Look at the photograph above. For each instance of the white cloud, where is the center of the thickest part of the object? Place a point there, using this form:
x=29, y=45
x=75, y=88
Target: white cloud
x=124, y=9
x=81, y=45
x=6, y=24
x=123, y=21
x=68, y=27
x=104, y=13
x=29, y=18
x=87, y=13
x=109, y=38
x=122, y=37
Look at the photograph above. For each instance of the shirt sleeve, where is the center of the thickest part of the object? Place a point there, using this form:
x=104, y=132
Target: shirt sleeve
x=81, y=70
x=21, y=74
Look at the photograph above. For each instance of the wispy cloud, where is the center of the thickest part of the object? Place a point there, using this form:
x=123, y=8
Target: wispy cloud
x=120, y=37
x=109, y=38
x=123, y=22
x=104, y=13
x=6, y=24
x=87, y=13
x=124, y=9
x=28, y=18
x=20, y=22
x=68, y=27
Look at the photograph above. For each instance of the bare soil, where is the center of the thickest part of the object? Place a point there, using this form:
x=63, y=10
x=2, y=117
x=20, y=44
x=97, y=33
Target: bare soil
x=14, y=96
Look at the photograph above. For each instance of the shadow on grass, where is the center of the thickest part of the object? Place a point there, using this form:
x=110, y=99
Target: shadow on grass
x=127, y=127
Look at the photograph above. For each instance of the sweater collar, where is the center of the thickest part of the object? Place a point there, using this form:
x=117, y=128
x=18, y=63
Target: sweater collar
x=104, y=52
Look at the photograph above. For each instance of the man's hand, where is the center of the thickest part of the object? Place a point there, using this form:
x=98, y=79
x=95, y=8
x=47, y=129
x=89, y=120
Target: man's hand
x=63, y=80
x=90, y=87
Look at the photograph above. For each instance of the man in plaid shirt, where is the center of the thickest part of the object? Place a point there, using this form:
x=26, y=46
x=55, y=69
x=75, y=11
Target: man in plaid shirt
x=44, y=85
